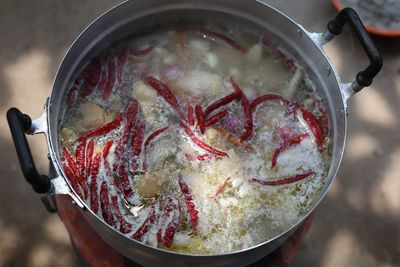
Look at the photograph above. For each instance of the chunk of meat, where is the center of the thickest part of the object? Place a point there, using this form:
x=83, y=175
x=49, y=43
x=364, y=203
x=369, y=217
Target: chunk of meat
x=212, y=135
x=199, y=47
x=236, y=74
x=212, y=60
x=198, y=83
x=92, y=116
x=143, y=93
x=67, y=135
x=254, y=55
x=149, y=184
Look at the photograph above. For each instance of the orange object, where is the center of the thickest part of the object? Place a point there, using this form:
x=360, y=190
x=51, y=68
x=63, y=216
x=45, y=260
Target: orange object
x=371, y=29
x=96, y=253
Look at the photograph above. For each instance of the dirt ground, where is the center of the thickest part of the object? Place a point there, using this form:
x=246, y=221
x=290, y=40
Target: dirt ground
x=357, y=224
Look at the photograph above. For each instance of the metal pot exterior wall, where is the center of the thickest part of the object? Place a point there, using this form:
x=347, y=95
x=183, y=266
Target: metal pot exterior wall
x=149, y=256
x=299, y=43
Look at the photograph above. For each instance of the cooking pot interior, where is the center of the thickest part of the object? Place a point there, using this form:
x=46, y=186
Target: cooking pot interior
x=128, y=20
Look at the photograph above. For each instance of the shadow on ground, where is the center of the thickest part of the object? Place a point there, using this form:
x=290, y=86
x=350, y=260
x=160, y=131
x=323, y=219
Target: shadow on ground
x=358, y=222
x=35, y=36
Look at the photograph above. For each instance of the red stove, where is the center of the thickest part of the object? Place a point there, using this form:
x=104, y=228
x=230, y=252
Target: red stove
x=93, y=251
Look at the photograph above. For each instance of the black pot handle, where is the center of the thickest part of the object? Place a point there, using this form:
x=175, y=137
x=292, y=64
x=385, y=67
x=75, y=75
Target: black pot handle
x=335, y=27
x=19, y=125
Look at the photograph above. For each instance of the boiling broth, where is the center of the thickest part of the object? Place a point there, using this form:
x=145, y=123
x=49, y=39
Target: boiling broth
x=200, y=141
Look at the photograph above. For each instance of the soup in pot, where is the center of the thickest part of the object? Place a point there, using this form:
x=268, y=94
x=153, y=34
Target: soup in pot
x=200, y=141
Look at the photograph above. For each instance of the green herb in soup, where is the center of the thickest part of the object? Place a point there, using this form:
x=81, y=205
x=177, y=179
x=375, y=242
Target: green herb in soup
x=197, y=141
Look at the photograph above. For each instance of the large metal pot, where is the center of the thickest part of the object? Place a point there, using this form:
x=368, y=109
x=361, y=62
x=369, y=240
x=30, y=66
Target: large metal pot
x=131, y=16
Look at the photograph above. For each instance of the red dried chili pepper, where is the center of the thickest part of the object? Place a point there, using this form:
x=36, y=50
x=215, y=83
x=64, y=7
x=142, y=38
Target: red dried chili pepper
x=125, y=184
x=221, y=102
x=149, y=139
x=130, y=116
x=216, y=118
x=71, y=178
x=154, y=135
x=171, y=214
x=267, y=97
x=94, y=172
x=110, y=79
x=286, y=144
x=140, y=53
x=105, y=205
x=247, y=112
x=89, y=155
x=172, y=227
x=200, y=118
x=289, y=63
x=145, y=227
x=75, y=171
x=124, y=226
x=217, y=36
x=106, y=149
x=122, y=57
x=137, y=142
x=80, y=157
x=166, y=93
x=312, y=122
x=309, y=118
x=191, y=207
x=190, y=116
x=283, y=181
x=200, y=143
x=102, y=130
x=92, y=76
x=205, y=157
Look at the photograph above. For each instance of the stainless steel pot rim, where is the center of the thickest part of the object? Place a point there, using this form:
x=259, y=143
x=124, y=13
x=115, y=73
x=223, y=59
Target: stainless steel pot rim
x=319, y=40
x=337, y=97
